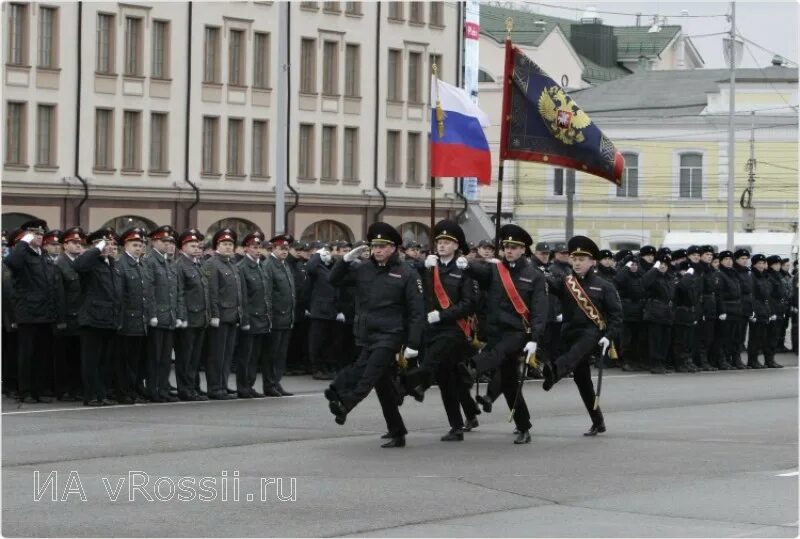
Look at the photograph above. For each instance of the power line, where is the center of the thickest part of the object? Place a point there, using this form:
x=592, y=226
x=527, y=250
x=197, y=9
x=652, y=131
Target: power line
x=580, y=10
x=763, y=48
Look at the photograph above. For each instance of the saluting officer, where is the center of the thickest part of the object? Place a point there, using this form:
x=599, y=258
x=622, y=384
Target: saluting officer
x=685, y=304
x=135, y=308
x=279, y=273
x=100, y=312
x=163, y=313
x=227, y=312
x=193, y=310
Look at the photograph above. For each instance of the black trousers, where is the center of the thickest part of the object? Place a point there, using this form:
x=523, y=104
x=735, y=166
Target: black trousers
x=742, y=334
x=550, y=347
x=704, y=339
x=579, y=345
x=9, y=361
x=273, y=357
x=159, y=361
x=67, y=364
x=323, y=344
x=188, y=351
x=682, y=337
x=502, y=352
x=126, y=364
x=97, y=348
x=794, y=333
x=374, y=368
x=218, y=368
x=762, y=340
x=298, y=342
x=442, y=357
x=729, y=339
x=248, y=354
x=658, y=336
x=633, y=344
x=33, y=358
x=347, y=351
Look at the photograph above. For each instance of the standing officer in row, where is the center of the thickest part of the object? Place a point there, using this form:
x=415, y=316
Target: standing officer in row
x=193, y=310
x=273, y=358
x=325, y=320
x=741, y=259
x=729, y=313
x=633, y=338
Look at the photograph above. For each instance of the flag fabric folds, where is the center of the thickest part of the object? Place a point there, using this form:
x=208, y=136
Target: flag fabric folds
x=458, y=144
x=542, y=123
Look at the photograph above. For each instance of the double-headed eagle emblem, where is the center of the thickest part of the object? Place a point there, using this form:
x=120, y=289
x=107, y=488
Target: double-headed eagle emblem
x=562, y=116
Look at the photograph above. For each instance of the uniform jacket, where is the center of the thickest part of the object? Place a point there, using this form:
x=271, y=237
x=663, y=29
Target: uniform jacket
x=559, y=270
x=71, y=294
x=8, y=298
x=763, y=300
x=135, y=308
x=35, y=285
x=302, y=289
x=324, y=296
x=685, y=302
x=631, y=292
x=102, y=287
x=553, y=302
x=606, y=273
x=194, y=306
x=659, y=289
x=462, y=291
x=257, y=295
x=501, y=315
x=781, y=291
x=730, y=293
x=711, y=299
x=283, y=292
x=746, y=281
x=163, y=290
x=389, y=302
x=603, y=295
x=224, y=290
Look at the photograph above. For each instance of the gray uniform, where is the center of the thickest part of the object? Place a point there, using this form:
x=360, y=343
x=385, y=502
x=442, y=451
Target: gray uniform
x=283, y=303
x=163, y=306
x=194, y=309
x=257, y=296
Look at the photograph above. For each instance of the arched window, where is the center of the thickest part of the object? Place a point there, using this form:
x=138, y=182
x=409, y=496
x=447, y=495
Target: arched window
x=412, y=231
x=12, y=221
x=242, y=227
x=620, y=245
x=124, y=222
x=483, y=76
x=630, y=176
x=327, y=231
x=691, y=179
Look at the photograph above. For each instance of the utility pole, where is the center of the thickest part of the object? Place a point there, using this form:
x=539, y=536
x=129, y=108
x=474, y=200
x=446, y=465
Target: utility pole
x=282, y=144
x=731, y=123
x=746, y=202
x=570, y=174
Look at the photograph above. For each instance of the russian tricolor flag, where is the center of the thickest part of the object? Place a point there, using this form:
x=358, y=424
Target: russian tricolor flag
x=458, y=144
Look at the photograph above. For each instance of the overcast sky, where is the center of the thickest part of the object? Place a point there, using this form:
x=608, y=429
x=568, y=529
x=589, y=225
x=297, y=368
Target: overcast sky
x=770, y=24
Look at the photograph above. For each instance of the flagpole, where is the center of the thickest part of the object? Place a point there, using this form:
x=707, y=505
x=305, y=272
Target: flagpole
x=504, y=120
x=438, y=111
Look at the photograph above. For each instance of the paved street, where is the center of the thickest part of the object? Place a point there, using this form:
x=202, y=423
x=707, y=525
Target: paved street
x=710, y=454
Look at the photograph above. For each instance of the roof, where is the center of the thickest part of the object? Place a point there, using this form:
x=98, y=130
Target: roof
x=635, y=41
x=679, y=91
x=594, y=73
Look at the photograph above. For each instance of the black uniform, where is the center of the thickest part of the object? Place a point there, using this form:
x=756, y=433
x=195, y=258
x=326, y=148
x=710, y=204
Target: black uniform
x=685, y=308
x=163, y=306
x=66, y=340
x=731, y=295
x=299, y=361
x=324, y=330
x=794, y=311
x=9, y=359
x=135, y=306
x=257, y=297
x=659, y=289
x=704, y=333
x=194, y=310
x=760, y=339
x=747, y=309
x=633, y=338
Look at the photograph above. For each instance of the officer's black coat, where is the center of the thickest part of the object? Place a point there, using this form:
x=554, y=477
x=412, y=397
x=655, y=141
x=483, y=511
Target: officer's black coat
x=603, y=295
x=746, y=282
x=389, y=302
x=35, y=285
x=257, y=295
x=284, y=295
x=460, y=289
x=163, y=290
x=224, y=290
x=102, y=287
x=72, y=296
x=779, y=298
x=193, y=299
x=134, y=297
x=302, y=290
x=631, y=292
x=659, y=289
x=712, y=284
x=730, y=293
x=324, y=296
x=685, y=301
x=762, y=295
x=8, y=298
x=606, y=273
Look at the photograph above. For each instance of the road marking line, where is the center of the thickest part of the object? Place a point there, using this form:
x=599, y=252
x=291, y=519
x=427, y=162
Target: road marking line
x=790, y=474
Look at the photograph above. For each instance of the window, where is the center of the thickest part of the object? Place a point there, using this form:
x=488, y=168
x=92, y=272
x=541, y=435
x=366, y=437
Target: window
x=330, y=68
x=437, y=14
x=560, y=186
x=305, y=165
x=691, y=175
x=414, y=77
x=308, y=66
x=211, y=65
x=630, y=177
x=352, y=70
x=160, y=49
x=15, y=134
x=328, y=171
x=48, y=28
x=309, y=5
x=158, y=142
x=133, y=46
x=131, y=140
x=483, y=76
x=395, y=75
x=352, y=8
x=104, y=139
x=412, y=160
x=350, y=157
x=242, y=227
x=412, y=231
x=393, y=157
x=236, y=58
x=45, y=135
x=260, y=148
x=105, y=43
x=417, y=12
x=210, y=141
x=235, y=153
x=333, y=7
x=18, y=34
x=396, y=11
x=327, y=230
x=261, y=60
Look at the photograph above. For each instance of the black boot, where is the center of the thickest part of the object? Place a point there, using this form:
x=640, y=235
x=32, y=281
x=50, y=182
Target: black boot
x=753, y=363
x=397, y=441
x=455, y=435
x=485, y=402
x=523, y=437
x=772, y=364
x=470, y=424
x=550, y=378
x=598, y=423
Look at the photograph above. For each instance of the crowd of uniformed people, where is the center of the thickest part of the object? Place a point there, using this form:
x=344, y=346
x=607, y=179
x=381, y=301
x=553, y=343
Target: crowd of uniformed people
x=100, y=317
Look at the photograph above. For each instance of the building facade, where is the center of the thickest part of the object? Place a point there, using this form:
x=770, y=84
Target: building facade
x=137, y=113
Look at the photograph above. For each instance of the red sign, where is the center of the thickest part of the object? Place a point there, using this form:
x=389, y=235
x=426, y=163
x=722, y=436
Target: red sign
x=563, y=119
x=472, y=30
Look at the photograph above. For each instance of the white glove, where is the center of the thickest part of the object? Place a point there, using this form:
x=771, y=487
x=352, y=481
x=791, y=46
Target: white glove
x=325, y=256
x=410, y=353
x=657, y=265
x=61, y=325
x=185, y=324
x=179, y=323
x=431, y=261
x=753, y=317
x=101, y=245
x=246, y=327
x=433, y=317
x=629, y=264
x=214, y=323
x=530, y=348
x=307, y=313
x=493, y=261
x=355, y=254
x=560, y=318
x=773, y=317
x=28, y=237
x=153, y=322
x=604, y=343
x=794, y=310
x=690, y=271
x=462, y=263
x=340, y=318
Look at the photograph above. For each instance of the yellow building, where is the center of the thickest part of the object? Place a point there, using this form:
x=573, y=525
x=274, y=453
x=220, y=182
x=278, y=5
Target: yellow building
x=672, y=128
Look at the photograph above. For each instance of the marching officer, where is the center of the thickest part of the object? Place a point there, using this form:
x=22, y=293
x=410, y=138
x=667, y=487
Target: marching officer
x=99, y=314
x=517, y=304
x=193, y=311
x=163, y=313
x=257, y=299
x=66, y=339
x=135, y=308
x=273, y=358
x=592, y=317
x=325, y=319
x=36, y=310
x=226, y=305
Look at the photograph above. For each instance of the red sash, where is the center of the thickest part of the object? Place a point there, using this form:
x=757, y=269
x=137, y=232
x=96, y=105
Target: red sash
x=513, y=295
x=444, y=301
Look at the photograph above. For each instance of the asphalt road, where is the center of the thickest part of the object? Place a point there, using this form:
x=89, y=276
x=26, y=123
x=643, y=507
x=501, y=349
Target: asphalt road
x=709, y=454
